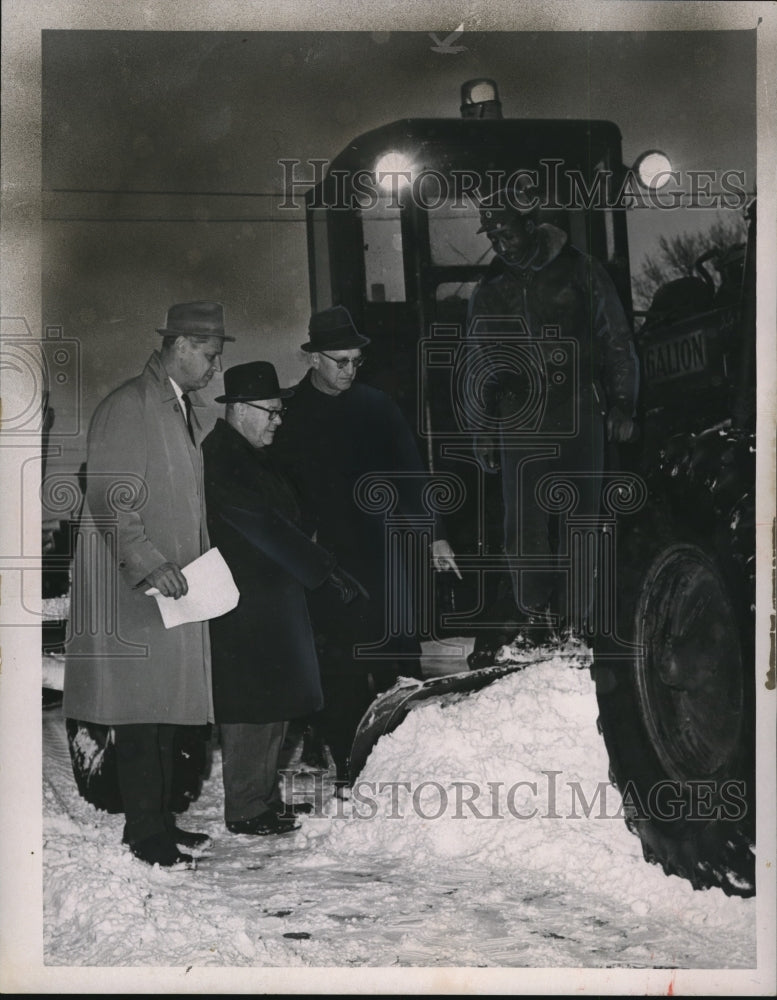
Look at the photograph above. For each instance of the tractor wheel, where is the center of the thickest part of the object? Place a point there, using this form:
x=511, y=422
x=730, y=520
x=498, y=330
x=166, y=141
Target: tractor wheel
x=93, y=758
x=677, y=716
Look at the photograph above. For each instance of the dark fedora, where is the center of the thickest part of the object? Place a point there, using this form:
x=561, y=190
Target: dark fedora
x=333, y=330
x=186, y=319
x=254, y=380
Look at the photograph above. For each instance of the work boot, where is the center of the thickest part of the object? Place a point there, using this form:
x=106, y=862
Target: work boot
x=488, y=644
x=488, y=641
x=481, y=658
x=535, y=630
x=571, y=642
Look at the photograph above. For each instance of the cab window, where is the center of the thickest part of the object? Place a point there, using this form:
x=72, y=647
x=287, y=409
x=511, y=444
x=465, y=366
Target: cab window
x=384, y=272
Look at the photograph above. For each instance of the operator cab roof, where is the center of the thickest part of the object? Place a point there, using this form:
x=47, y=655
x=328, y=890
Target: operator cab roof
x=477, y=144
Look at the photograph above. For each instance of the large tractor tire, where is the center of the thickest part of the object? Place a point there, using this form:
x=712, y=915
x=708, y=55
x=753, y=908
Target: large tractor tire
x=677, y=713
x=93, y=758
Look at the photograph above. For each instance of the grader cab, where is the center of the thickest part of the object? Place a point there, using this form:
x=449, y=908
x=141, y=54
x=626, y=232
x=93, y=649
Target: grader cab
x=392, y=235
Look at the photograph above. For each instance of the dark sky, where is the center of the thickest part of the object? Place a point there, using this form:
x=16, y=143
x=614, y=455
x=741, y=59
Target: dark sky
x=203, y=111
x=198, y=121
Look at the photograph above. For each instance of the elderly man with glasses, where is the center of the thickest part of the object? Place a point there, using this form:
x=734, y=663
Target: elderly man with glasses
x=337, y=431
x=265, y=670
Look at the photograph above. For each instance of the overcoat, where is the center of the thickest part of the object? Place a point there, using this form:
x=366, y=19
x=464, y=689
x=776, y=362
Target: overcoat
x=326, y=444
x=265, y=667
x=144, y=505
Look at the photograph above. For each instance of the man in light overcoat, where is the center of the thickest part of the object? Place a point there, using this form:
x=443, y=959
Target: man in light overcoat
x=144, y=520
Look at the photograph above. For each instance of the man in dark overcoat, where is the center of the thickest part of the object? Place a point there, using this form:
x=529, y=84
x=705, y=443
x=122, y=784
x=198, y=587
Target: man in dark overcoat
x=143, y=521
x=572, y=384
x=265, y=669
x=336, y=431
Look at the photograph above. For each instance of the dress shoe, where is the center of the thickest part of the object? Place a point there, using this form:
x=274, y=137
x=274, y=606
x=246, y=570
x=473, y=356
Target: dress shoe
x=268, y=822
x=160, y=849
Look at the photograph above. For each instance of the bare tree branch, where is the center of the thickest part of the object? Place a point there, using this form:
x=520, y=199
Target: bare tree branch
x=677, y=255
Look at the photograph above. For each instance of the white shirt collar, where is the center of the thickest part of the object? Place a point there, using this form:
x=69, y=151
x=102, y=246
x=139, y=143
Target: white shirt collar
x=177, y=389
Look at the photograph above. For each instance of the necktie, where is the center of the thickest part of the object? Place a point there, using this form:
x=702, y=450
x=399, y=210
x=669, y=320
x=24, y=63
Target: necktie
x=188, y=410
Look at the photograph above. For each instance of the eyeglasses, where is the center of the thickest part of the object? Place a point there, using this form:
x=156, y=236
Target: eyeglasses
x=278, y=414
x=342, y=363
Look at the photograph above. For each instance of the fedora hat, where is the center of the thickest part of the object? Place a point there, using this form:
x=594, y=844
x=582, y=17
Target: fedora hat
x=254, y=380
x=333, y=330
x=188, y=319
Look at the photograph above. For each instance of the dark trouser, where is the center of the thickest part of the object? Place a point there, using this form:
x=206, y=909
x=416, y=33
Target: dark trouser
x=350, y=680
x=249, y=765
x=349, y=689
x=552, y=497
x=144, y=764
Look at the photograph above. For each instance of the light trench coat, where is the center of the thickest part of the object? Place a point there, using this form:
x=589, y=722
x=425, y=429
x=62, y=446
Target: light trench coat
x=144, y=505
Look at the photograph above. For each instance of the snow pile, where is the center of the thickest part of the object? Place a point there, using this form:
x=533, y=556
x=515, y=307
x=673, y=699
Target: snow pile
x=375, y=881
x=512, y=780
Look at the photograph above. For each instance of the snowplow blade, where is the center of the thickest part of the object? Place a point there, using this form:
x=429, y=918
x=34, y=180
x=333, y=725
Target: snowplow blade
x=391, y=708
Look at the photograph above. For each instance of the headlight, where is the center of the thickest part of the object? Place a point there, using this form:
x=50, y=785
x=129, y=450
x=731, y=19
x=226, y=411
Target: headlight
x=394, y=165
x=653, y=169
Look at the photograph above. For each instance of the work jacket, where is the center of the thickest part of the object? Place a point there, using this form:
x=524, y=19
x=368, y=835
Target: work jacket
x=562, y=349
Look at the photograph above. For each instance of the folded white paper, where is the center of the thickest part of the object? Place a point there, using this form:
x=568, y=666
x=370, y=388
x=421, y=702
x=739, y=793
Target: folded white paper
x=212, y=592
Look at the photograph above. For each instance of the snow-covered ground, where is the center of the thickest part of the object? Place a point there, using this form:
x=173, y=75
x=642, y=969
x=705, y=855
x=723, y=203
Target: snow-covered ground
x=472, y=840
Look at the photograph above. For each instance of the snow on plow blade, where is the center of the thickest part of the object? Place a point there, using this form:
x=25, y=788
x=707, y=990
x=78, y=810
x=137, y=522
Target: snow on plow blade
x=391, y=708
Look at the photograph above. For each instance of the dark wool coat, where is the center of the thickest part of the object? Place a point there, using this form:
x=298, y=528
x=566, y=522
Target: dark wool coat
x=144, y=506
x=265, y=667
x=327, y=443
